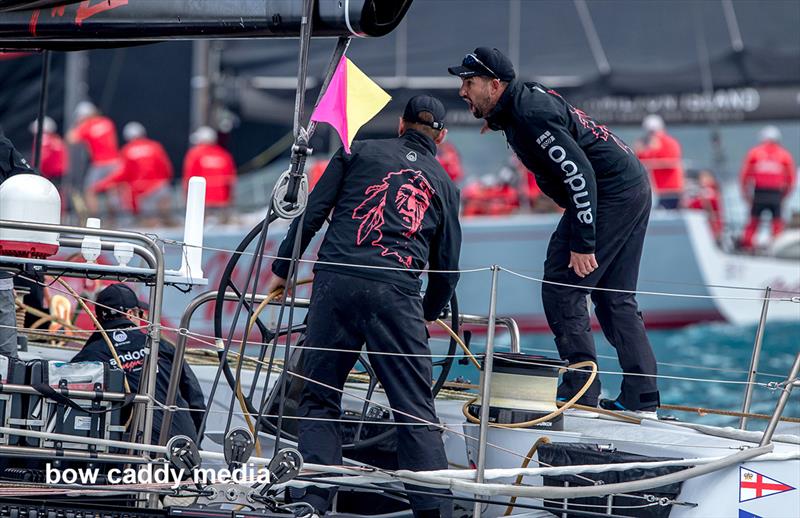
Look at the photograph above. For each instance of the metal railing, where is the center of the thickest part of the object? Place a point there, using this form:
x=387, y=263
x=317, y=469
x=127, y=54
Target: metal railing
x=142, y=421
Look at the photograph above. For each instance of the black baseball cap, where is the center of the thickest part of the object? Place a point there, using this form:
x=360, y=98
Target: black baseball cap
x=425, y=103
x=119, y=297
x=485, y=61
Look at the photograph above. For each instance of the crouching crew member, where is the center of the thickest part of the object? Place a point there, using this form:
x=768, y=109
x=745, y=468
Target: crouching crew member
x=144, y=178
x=605, y=192
x=394, y=210
x=118, y=310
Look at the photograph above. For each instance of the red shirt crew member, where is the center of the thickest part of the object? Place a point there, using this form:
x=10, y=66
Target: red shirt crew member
x=768, y=176
x=209, y=160
x=661, y=155
x=54, y=159
x=99, y=135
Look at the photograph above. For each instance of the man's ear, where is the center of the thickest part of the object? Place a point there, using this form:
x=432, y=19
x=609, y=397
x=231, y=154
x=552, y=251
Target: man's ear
x=440, y=138
x=401, y=127
x=496, y=84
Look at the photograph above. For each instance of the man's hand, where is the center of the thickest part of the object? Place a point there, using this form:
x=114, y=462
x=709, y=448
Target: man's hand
x=276, y=283
x=582, y=264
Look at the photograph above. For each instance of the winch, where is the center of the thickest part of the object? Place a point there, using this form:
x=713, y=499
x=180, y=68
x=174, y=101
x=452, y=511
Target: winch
x=523, y=388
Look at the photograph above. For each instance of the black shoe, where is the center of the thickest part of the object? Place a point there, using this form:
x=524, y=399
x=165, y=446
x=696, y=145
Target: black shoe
x=614, y=404
x=302, y=511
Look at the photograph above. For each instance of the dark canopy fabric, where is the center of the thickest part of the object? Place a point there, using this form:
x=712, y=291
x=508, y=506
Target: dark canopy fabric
x=650, y=46
x=587, y=49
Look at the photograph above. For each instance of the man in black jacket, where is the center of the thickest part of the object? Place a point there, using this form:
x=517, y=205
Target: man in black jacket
x=11, y=163
x=117, y=309
x=605, y=192
x=394, y=211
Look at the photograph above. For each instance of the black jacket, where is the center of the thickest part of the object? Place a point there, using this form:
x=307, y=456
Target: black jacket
x=11, y=161
x=131, y=348
x=393, y=206
x=575, y=160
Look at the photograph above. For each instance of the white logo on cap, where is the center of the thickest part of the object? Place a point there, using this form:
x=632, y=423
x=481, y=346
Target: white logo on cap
x=412, y=156
x=120, y=336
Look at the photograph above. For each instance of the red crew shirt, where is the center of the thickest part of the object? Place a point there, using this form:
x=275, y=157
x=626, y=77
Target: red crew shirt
x=54, y=156
x=662, y=157
x=768, y=166
x=216, y=165
x=100, y=137
x=145, y=168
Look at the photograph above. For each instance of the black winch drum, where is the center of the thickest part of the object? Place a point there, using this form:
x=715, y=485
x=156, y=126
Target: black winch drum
x=523, y=388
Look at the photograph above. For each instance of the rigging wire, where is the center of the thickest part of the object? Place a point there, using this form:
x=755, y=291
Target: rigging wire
x=515, y=271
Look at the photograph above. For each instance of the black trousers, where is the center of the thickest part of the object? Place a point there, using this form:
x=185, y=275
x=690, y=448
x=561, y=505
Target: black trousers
x=620, y=225
x=346, y=312
x=769, y=200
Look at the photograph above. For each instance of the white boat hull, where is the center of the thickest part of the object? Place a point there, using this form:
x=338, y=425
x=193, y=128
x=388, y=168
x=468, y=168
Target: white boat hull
x=719, y=494
x=721, y=269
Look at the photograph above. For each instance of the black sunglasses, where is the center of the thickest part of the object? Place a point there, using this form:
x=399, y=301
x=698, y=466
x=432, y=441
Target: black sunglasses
x=471, y=60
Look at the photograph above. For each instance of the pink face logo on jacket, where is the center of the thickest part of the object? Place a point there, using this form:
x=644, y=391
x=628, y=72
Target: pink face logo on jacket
x=409, y=194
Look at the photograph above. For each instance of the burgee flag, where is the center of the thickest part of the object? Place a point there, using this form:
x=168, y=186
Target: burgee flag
x=753, y=484
x=350, y=101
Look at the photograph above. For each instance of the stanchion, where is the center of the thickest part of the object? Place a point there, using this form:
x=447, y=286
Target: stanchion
x=486, y=378
x=751, y=376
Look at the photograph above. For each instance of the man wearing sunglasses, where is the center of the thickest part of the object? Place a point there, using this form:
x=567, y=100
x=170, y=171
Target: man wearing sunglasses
x=597, y=246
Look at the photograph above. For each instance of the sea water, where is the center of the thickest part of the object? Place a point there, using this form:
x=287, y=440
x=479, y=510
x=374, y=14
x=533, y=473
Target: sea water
x=715, y=357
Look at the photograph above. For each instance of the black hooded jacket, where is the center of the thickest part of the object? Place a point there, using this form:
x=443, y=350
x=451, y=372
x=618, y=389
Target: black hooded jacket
x=131, y=348
x=393, y=206
x=575, y=160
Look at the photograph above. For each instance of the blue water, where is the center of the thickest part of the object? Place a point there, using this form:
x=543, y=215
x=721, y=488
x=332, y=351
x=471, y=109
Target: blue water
x=693, y=352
